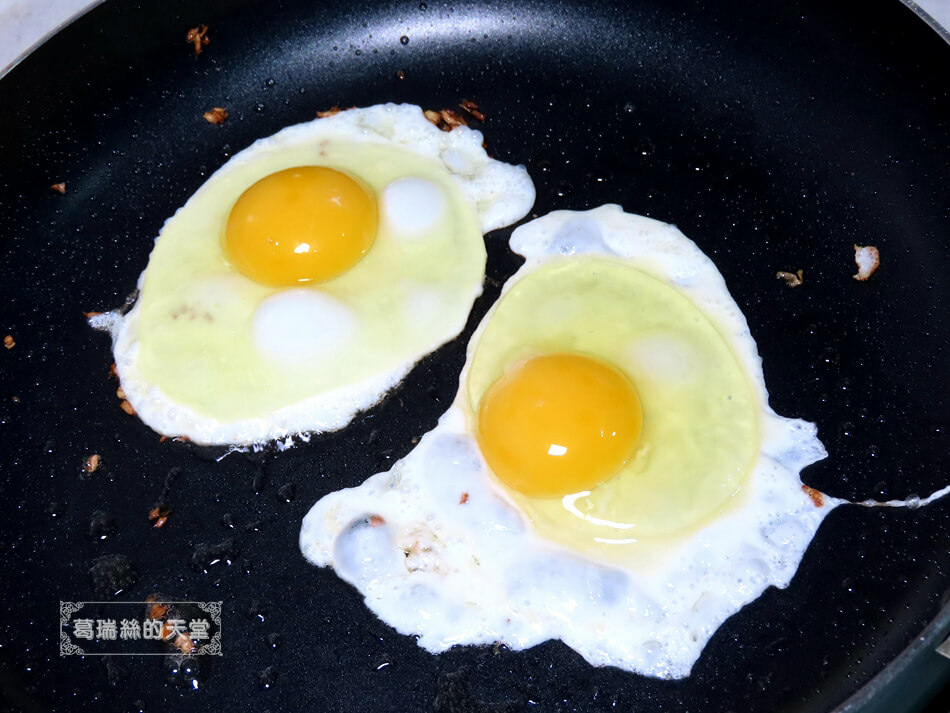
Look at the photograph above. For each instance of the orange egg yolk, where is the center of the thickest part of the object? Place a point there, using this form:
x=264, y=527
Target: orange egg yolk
x=299, y=225
x=559, y=424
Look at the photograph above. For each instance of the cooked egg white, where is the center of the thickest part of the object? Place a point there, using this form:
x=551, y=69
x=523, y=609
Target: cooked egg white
x=252, y=324
x=632, y=540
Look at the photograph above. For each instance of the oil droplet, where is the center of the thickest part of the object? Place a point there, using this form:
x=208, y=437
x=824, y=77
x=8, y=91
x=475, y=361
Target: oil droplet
x=207, y=556
x=268, y=678
x=286, y=492
x=112, y=574
x=257, y=611
x=273, y=640
x=404, y=40
x=101, y=526
x=913, y=501
x=644, y=148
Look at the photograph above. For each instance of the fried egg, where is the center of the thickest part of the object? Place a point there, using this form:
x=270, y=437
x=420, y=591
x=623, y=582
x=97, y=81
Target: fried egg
x=308, y=274
x=610, y=473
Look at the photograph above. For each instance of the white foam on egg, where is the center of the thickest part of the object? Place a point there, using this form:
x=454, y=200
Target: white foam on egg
x=450, y=560
x=462, y=565
x=295, y=325
x=665, y=358
x=412, y=205
x=501, y=193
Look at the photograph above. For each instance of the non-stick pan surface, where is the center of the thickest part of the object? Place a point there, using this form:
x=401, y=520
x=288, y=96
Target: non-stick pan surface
x=776, y=135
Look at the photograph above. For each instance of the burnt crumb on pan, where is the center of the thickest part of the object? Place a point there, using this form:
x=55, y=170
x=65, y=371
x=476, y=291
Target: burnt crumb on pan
x=446, y=119
x=332, y=111
x=162, y=508
x=792, y=279
x=816, y=496
x=174, y=615
x=218, y=115
x=472, y=108
x=400, y=74
x=59, y=188
x=867, y=258
x=120, y=392
x=175, y=439
x=463, y=499
x=159, y=516
x=92, y=464
x=198, y=38
x=9, y=342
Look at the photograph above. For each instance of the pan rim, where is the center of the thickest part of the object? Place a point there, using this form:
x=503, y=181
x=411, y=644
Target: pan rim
x=926, y=642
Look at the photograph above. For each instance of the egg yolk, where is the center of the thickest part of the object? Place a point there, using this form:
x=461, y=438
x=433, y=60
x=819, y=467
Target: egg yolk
x=303, y=224
x=559, y=424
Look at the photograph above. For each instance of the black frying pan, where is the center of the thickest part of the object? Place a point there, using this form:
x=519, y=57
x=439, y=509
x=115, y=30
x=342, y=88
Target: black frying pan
x=776, y=135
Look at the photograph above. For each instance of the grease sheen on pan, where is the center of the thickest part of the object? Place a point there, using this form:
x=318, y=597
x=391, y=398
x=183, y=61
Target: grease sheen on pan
x=223, y=351
x=638, y=569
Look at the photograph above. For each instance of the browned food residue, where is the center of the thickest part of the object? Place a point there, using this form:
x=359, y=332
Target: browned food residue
x=400, y=74
x=159, y=515
x=9, y=342
x=127, y=407
x=376, y=521
x=447, y=119
x=816, y=496
x=867, y=258
x=463, y=499
x=92, y=463
x=332, y=111
x=158, y=610
x=218, y=115
x=59, y=188
x=792, y=279
x=198, y=38
x=182, y=639
x=472, y=108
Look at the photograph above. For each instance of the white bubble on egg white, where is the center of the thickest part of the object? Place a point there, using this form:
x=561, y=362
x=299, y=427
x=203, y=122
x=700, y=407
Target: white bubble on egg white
x=664, y=358
x=295, y=325
x=412, y=206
